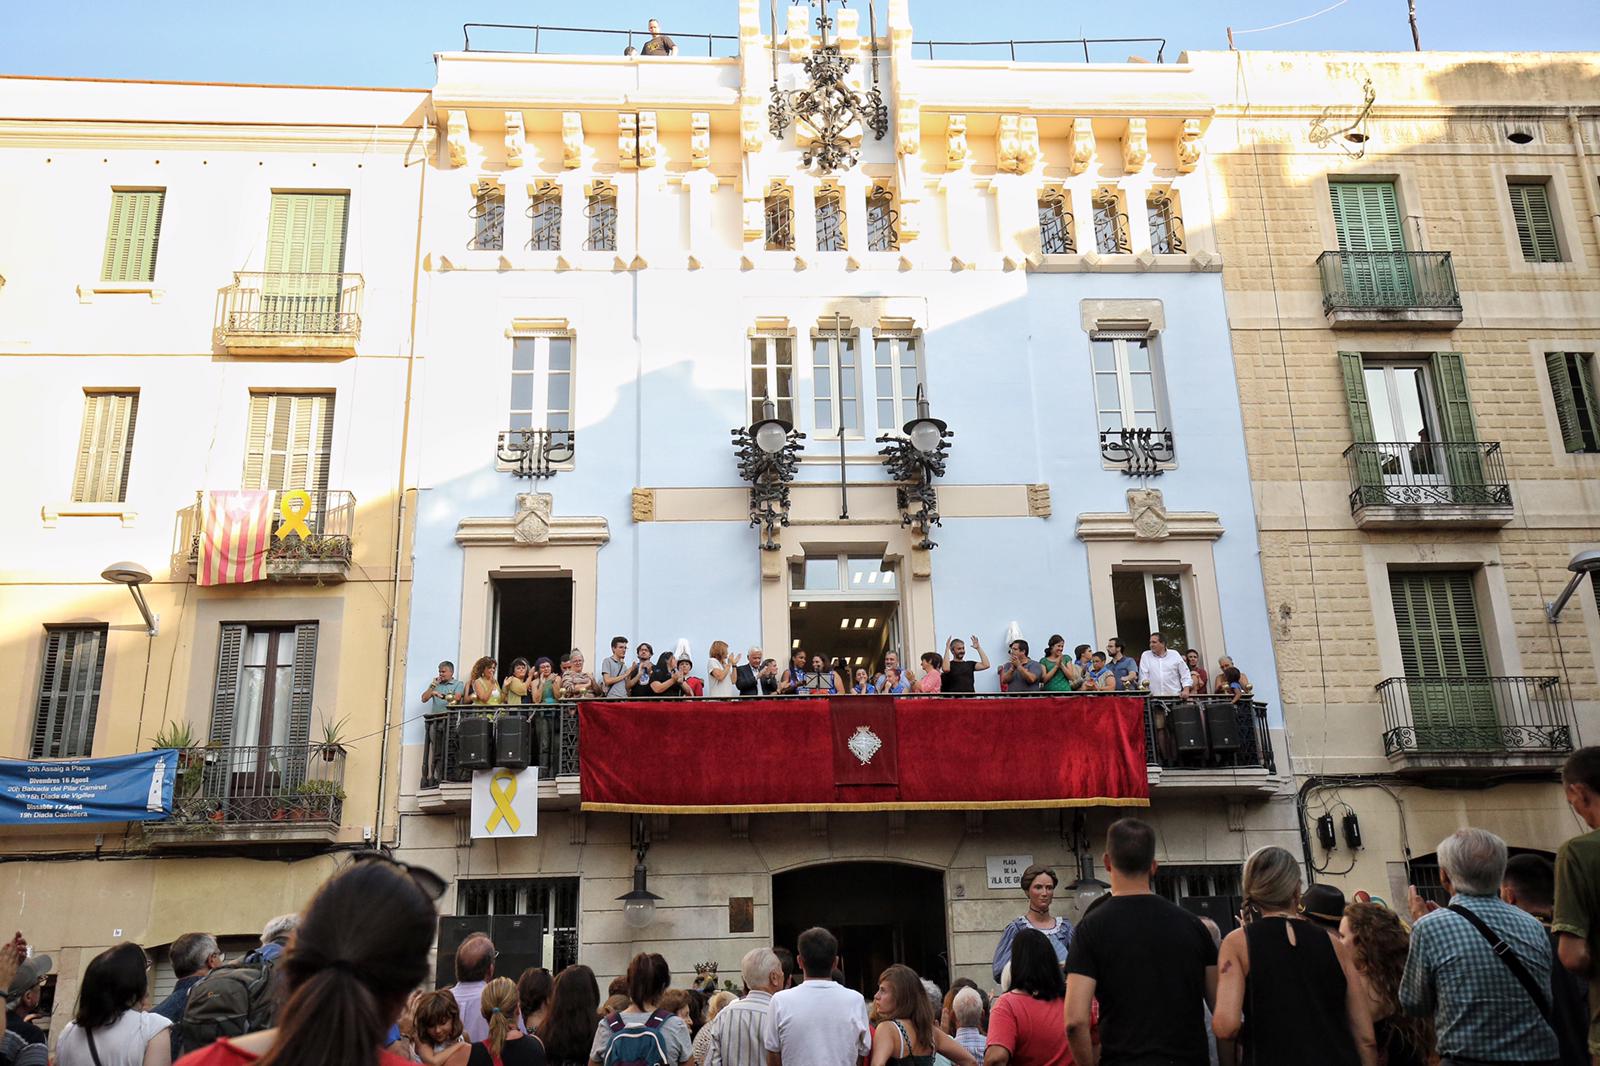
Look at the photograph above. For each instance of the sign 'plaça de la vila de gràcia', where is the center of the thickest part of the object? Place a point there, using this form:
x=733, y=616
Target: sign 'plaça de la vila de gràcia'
x=124, y=788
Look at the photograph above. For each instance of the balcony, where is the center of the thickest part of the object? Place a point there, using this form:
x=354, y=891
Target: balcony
x=288, y=794
x=1382, y=290
x=1235, y=761
x=1139, y=452
x=1475, y=724
x=535, y=453
x=1397, y=485
x=276, y=313
x=322, y=558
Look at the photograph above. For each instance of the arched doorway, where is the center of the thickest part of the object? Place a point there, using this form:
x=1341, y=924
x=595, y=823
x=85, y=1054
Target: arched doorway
x=882, y=913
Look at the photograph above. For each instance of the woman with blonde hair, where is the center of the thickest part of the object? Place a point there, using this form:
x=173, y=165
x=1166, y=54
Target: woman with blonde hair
x=1296, y=982
x=481, y=684
x=1381, y=945
x=907, y=1036
x=720, y=683
x=507, y=1043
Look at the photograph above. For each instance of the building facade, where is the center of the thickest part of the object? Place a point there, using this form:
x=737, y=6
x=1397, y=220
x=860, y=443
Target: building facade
x=1410, y=249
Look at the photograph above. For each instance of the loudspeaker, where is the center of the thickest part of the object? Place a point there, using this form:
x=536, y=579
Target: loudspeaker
x=1224, y=910
x=519, y=938
x=1183, y=719
x=513, y=741
x=1222, y=727
x=474, y=750
x=452, y=931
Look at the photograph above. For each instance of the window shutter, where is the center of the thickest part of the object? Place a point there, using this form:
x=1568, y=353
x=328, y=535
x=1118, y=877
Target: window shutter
x=1355, y=395
x=1588, y=400
x=132, y=234
x=69, y=693
x=305, y=669
x=84, y=470
x=225, y=696
x=105, y=447
x=1566, y=400
x=1536, y=227
x=1440, y=641
x=1341, y=221
x=255, y=450
x=1465, y=465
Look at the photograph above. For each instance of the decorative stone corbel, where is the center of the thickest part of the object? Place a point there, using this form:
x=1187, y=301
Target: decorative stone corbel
x=847, y=21
x=955, y=142
x=571, y=139
x=1135, y=146
x=1027, y=144
x=456, y=137
x=799, y=38
x=700, y=139
x=1006, y=145
x=752, y=113
x=647, y=139
x=1082, y=145
x=1189, y=146
x=627, y=140
x=516, y=139
x=908, y=126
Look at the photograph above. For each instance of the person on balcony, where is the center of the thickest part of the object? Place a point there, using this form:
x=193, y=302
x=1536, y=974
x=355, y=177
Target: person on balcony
x=667, y=679
x=794, y=678
x=891, y=659
x=616, y=673
x=694, y=685
x=1084, y=661
x=659, y=43
x=959, y=671
x=515, y=686
x=822, y=679
x=444, y=688
x=862, y=684
x=1197, y=670
x=640, y=685
x=1020, y=673
x=1122, y=666
x=1039, y=886
x=1057, y=672
x=1223, y=662
x=893, y=683
x=1164, y=671
x=1233, y=681
x=577, y=683
x=481, y=686
x=546, y=682
x=1100, y=676
x=758, y=676
x=932, y=679
x=720, y=670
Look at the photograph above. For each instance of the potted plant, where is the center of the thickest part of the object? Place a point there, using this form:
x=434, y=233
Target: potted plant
x=319, y=801
x=333, y=738
x=177, y=735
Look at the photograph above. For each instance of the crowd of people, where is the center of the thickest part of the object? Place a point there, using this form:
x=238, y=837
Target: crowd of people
x=1499, y=975
x=1159, y=671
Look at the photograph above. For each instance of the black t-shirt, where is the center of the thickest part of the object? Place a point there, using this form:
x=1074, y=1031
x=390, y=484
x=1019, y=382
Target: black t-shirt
x=524, y=1051
x=660, y=46
x=1148, y=958
x=25, y=1029
x=641, y=684
x=958, y=675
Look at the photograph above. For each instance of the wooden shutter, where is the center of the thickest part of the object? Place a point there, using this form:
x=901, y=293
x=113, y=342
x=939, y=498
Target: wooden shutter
x=304, y=675
x=1369, y=473
x=1536, y=224
x=225, y=694
x=1366, y=216
x=1465, y=465
x=306, y=233
x=1441, y=648
x=132, y=235
x=1586, y=396
x=105, y=447
x=290, y=443
x=1566, y=400
x=69, y=693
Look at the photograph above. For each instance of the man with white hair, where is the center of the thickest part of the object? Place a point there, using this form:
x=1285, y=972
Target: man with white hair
x=1480, y=966
x=967, y=1006
x=275, y=936
x=736, y=1030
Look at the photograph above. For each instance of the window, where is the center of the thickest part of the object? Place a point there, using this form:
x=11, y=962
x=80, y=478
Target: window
x=1441, y=647
x=897, y=371
x=1401, y=399
x=488, y=217
x=290, y=442
x=845, y=605
x=1412, y=422
x=132, y=235
x=105, y=447
x=772, y=375
x=555, y=899
x=830, y=219
x=1366, y=218
x=1166, y=224
x=263, y=694
x=541, y=383
x=544, y=209
x=1110, y=222
x=1127, y=387
x=601, y=211
x=1055, y=222
x=1536, y=223
x=1150, y=601
x=1572, y=382
x=301, y=292
x=69, y=692
x=835, y=383
x=779, y=220
x=883, y=221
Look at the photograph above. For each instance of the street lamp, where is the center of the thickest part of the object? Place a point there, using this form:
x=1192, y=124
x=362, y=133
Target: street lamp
x=915, y=458
x=768, y=451
x=1582, y=565
x=133, y=575
x=639, y=904
x=1087, y=888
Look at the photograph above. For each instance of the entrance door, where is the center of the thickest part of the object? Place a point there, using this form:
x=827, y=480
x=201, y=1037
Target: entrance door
x=304, y=263
x=533, y=618
x=1366, y=216
x=882, y=913
x=1441, y=649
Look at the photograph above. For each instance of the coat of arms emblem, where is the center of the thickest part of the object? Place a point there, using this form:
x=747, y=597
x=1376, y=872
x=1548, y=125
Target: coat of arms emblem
x=864, y=744
x=532, y=522
x=1149, y=514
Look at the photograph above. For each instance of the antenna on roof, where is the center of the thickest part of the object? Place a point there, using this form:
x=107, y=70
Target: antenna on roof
x=1416, y=39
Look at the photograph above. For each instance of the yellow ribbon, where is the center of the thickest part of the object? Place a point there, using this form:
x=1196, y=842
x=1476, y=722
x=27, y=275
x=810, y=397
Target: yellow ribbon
x=294, y=506
x=503, y=788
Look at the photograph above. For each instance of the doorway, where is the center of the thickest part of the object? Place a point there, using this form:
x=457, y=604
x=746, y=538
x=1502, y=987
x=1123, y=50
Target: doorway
x=532, y=618
x=882, y=913
x=845, y=606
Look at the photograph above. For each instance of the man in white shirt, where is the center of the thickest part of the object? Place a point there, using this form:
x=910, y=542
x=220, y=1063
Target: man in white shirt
x=736, y=1032
x=474, y=969
x=1164, y=669
x=818, y=1022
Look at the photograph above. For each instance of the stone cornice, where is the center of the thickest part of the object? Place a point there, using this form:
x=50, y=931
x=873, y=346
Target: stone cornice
x=33, y=133
x=1118, y=525
x=565, y=532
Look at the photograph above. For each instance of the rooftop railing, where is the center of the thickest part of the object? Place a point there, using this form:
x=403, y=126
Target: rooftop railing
x=1062, y=49
x=548, y=40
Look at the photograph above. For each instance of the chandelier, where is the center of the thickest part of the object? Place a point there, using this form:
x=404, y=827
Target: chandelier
x=828, y=114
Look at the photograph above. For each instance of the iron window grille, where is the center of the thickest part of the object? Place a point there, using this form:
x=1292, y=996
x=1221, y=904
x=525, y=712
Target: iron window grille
x=555, y=898
x=1111, y=235
x=544, y=212
x=779, y=221
x=1166, y=225
x=883, y=221
x=488, y=219
x=830, y=220
x=1055, y=223
x=601, y=212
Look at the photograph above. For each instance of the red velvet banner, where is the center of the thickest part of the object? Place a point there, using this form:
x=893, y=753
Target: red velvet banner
x=817, y=753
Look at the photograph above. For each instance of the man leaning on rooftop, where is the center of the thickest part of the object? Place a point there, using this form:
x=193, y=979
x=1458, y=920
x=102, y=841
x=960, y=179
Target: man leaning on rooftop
x=659, y=43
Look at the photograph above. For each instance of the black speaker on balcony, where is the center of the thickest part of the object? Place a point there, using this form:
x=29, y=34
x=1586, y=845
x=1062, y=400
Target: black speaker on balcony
x=1222, y=727
x=513, y=743
x=474, y=748
x=1224, y=910
x=452, y=931
x=519, y=938
x=1188, y=732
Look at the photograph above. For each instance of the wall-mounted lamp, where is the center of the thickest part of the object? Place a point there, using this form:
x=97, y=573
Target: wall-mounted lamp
x=639, y=904
x=915, y=459
x=1087, y=888
x=133, y=575
x=768, y=451
x=1582, y=565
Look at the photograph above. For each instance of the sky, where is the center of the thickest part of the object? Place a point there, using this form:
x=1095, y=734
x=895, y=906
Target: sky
x=391, y=43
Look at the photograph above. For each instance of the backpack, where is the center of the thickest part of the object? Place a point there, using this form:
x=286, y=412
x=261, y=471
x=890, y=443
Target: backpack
x=232, y=1000
x=637, y=1044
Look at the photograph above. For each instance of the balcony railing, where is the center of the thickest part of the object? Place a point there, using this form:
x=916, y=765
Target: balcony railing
x=266, y=309
x=536, y=453
x=1425, y=474
x=542, y=40
x=1140, y=452
x=323, y=555
x=289, y=785
x=1235, y=735
x=1389, y=286
x=555, y=739
x=1475, y=715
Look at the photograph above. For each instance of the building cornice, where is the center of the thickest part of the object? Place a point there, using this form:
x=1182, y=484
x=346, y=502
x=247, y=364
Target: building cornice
x=565, y=532
x=71, y=133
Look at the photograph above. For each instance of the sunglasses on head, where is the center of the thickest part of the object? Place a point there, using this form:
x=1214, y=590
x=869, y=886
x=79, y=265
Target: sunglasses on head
x=430, y=883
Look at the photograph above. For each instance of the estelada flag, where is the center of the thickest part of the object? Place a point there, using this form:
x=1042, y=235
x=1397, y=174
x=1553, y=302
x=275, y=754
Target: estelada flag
x=235, y=533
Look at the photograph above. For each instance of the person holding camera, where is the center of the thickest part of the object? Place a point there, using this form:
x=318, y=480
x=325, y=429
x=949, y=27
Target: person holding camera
x=444, y=688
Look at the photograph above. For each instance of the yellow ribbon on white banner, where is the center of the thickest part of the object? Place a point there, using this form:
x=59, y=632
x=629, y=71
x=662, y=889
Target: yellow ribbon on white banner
x=503, y=789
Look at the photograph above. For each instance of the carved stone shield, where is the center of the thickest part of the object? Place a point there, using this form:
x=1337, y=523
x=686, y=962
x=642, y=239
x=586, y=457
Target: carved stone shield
x=532, y=524
x=1149, y=513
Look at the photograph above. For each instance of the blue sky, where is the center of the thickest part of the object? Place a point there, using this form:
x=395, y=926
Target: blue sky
x=366, y=42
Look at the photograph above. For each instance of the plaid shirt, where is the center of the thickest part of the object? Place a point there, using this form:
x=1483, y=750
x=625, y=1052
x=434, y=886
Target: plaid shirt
x=973, y=1041
x=1480, y=1009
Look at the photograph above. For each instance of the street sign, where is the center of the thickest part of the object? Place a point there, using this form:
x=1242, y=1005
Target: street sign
x=1005, y=871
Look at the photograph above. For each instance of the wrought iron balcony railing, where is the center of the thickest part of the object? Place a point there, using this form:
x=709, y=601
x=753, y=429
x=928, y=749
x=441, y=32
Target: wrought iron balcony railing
x=555, y=738
x=1388, y=281
x=259, y=785
x=536, y=453
x=330, y=519
x=1475, y=715
x=267, y=304
x=1236, y=735
x=1140, y=452
x=1427, y=474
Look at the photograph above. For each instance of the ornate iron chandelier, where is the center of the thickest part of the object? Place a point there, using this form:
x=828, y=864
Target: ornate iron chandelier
x=769, y=457
x=915, y=459
x=829, y=112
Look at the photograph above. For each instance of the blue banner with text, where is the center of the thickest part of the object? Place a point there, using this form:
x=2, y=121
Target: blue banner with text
x=125, y=788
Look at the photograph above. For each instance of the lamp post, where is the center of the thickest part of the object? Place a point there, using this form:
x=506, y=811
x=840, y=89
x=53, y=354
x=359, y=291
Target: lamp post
x=915, y=458
x=639, y=904
x=768, y=451
x=1087, y=888
x=133, y=575
x=1582, y=565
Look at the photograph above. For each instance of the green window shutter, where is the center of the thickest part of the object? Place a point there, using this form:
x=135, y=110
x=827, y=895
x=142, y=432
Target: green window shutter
x=69, y=693
x=302, y=680
x=1535, y=222
x=225, y=693
x=1442, y=652
x=1465, y=465
x=105, y=447
x=132, y=235
x=1366, y=215
x=1588, y=400
x=305, y=256
x=1566, y=400
x=1368, y=471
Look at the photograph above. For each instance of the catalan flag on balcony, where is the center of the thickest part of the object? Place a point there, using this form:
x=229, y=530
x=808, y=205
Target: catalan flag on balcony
x=235, y=533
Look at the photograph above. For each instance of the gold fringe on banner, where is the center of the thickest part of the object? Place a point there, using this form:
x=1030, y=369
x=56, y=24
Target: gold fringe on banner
x=845, y=808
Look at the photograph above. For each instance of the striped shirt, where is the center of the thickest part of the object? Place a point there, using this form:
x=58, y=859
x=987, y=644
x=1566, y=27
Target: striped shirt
x=973, y=1041
x=736, y=1033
